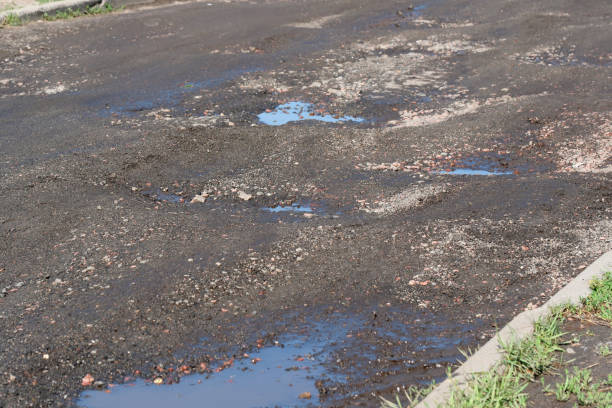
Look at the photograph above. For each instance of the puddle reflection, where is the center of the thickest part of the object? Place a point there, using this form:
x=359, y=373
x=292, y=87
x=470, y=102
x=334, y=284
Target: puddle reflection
x=273, y=376
x=476, y=167
x=304, y=361
x=295, y=207
x=300, y=111
x=159, y=195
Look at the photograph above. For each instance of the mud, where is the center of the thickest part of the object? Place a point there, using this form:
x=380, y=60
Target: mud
x=143, y=231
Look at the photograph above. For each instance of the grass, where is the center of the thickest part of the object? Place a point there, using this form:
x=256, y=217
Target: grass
x=498, y=388
x=411, y=395
x=535, y=354
x=14, y=20
x=524, y=361
x=573, y=384
x=599, y=303
x=587, y=392
x=88, y=11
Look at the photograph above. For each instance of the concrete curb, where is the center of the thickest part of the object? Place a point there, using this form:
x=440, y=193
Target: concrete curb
x=521, y=326
x=53, y=7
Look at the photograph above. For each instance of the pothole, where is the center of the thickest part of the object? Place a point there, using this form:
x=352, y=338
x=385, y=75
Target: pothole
x=159, y=195
x=473, y=172
x=272, y=376
x=296, y=207
x=321, y=358
x=476, y=167
x=300, y=111
x=305, y=209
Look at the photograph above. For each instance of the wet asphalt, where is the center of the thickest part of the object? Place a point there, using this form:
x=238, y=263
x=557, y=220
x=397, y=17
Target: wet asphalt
x=437, y=167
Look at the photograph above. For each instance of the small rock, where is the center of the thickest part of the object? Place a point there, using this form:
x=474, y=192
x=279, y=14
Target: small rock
x=200, y=198
x=570, y=350
x=87, y=380
x=244, y=196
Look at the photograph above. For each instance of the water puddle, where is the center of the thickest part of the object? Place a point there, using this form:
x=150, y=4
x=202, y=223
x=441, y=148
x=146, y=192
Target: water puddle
x=475, y=167
x=418, y=10
x=295, y=207
x=301, y=209
x=273, y=376
x=159, y=195
x=473, y=172
x=322, y=358
x=300, y=111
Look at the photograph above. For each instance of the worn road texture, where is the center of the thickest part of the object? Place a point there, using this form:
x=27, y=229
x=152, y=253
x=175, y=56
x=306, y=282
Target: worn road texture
x=134, y=177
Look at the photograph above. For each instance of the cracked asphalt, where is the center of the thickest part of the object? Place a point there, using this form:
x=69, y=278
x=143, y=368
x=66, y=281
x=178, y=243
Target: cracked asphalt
x=152, y=226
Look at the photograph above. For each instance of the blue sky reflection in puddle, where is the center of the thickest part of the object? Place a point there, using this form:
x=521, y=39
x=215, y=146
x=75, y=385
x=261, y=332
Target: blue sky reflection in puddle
x=299, y=111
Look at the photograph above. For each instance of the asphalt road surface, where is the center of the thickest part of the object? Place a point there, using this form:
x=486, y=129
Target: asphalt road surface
x=186, y=187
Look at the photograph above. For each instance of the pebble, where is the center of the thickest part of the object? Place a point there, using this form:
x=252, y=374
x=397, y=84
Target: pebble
x=244, y=196
x=200, y=198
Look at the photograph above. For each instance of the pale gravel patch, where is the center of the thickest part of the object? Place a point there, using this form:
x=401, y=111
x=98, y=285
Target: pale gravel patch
x=52, y=90
x=555, y=14
x=424, y=21
x=549, y=54
x=417, y=118
x=458, y=25
x=375, y=73
x=316, y=23
x=586, y=240
x=433, y=44
x=417, y=68
x=267, y=83
x=459, y=108
x=589, y=153
x=411, y=198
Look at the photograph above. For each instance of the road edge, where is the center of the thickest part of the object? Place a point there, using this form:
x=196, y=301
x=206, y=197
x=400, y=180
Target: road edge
x=52, y=7
x=520, y=327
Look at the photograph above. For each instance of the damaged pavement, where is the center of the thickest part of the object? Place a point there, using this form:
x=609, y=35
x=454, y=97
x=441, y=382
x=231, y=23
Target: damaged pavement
x=448, y=167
